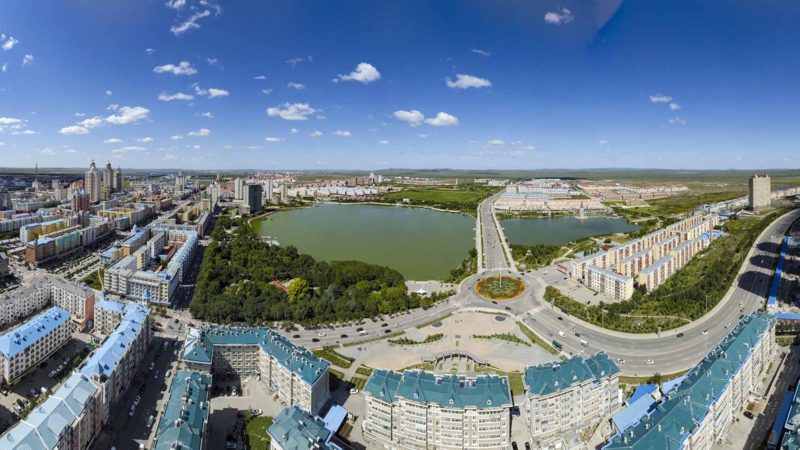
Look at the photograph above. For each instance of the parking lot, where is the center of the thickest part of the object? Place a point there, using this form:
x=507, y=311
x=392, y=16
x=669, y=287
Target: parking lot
x=46, y=375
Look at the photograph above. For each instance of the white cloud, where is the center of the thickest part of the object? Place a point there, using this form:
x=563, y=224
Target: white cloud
x=3, y=67
x=212, y=61
x=128, y=114
x=442, y=119
x=214, y=93
x=561, y=16
x=413, y=117
x=73, y=130
x=266, y=91
x=24, y=132
x=260, y=77
x=27, y=59
x=149, y=51
x=130, y=149
x=496, y=142
x=315, y=134
x=190, y=23
x=79, y=114
x=176, y=137
x=169, y=157
x=603, y=142
x=112, y=141
x=202, y=132
x=47, y=151
x=273, y=139
x=91, y=122
x=291, y=111
x=176, y=4
x=343, y=133
x=109, y=93
x=145, y=140
x=70, y=150
x=677, y=120
x=423, y=136
x=293, y=130
x=207, y=115
x=478, y=51
x=463, y=81
x=660, y=98
x=295, y=61
x=674, y=106
x=9, y=121
x=182, y=68
x=383, y=142
x=10, y=43
x=298, y=86
x=112, y=107
x=364, y=73
x=164, y=97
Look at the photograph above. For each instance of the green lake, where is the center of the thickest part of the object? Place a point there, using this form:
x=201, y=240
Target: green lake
x=561, y=230
x=422, y=244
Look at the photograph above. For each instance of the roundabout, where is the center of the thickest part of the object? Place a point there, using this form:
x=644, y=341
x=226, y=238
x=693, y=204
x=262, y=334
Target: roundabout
x=500, y=287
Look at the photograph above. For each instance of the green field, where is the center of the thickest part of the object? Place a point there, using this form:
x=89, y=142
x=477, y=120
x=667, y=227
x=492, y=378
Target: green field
x=256, y=430
x=94, y=279
x=457, y=198
x=337, y=359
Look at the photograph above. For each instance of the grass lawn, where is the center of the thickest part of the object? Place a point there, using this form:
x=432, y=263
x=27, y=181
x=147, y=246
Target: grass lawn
x=95, y=279
x=461, y=198
x=257, y=436
x=337, y=359
x=536, y=339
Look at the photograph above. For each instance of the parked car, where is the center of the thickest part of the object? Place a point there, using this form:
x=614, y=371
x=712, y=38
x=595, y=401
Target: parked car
x=132, y=410
x=256, y=412
x=137, y=400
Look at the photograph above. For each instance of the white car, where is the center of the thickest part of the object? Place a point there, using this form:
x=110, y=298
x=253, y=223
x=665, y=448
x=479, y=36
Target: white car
x=728, y=325
x=354, y=391
x=321, y=334
x=562, y=334
x=705, y=332
x=620, y=361
x=132, y=410
x=649, y=362
x=137, y=400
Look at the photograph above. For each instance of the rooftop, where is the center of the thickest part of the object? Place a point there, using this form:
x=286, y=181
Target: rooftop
x=295, y=429
x=683, y=409
x=549, y=378
x=186, y=412
x=200, y=343
x=25, y=335
x=104, y=360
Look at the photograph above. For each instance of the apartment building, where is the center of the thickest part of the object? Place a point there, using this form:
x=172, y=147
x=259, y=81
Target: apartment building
x=684, y=252
x=423, y=410
x=664, y=247
x=67, y=420
x=578, y=266
x=21, y=303
x=22, y=348
x=634, y=264
x=610, y=283
x=295, y=429
x=77, y=299
x=184, y=422
x=759, y=192
x=287, y=370
x=655, y=275
x=113, y=366
x=565, y=398
x=698, y=412
x=107, y=316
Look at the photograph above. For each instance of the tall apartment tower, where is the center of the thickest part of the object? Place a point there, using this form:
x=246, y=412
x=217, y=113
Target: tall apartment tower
x=117, y=182
x=252, y=199
x=92, y=182
x=759, y=192
x=238, y=189
x=108, y=176
x=80, y=201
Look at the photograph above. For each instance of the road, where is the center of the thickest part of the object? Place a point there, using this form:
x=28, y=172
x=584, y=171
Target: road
x=668, y=352
x=494, y=257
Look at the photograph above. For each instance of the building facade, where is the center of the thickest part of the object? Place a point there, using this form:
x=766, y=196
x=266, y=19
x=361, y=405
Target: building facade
x=759, y=192
x=422, y=410
x=184, y=422
x=565, y=398
x=24, y=347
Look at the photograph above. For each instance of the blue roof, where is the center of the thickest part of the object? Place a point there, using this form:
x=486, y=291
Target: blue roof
x=548, y=378
x=48, y=421
x=186, y=413
x=20, y=338
x=669, y=385
x=200, y=343
x=787, y=316
x=682, y=411
x=110, y=305
x=776, y=432
x=335, y=418
x=295, y=429
x=104, y=360
x=633, y=413
x=641, y=391
x=481, y=392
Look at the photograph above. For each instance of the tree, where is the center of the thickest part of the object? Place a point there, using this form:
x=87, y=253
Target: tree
x=298, y=289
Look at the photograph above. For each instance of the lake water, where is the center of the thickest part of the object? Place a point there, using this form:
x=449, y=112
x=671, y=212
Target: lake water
x=560, y=230
x=421, y=244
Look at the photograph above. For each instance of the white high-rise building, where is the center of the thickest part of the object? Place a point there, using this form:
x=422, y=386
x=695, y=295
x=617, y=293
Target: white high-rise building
x=759, y=192
x=92, y=183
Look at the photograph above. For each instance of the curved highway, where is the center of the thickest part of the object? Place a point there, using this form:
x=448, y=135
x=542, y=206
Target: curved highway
x=639, y=354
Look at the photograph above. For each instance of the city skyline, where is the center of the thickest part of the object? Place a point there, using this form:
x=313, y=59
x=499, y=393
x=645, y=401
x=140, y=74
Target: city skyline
x=193, y=85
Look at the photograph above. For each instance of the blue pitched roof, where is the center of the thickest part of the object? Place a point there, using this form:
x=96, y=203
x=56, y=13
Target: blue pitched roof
x=199, y=348
x=641, y=391
x=482, y=392
x=186, y=413
x=103, y=361
x=110, y=305
x=22, y=337
x=680, y=413
x=548, y=378
x=632, y=414
x=295, y=429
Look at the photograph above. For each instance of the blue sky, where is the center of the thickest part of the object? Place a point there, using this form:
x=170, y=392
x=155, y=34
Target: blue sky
x=417, y=84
